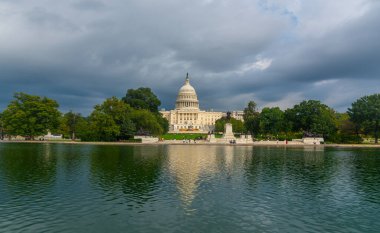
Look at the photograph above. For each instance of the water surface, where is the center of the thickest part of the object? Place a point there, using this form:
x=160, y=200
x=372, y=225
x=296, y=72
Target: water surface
x=187, y=188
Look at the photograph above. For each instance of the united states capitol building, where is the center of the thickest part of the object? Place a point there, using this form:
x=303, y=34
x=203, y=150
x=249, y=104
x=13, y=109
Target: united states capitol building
x=187, y=117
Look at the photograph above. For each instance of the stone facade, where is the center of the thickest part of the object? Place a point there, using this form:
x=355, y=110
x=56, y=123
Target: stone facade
x=187, y=117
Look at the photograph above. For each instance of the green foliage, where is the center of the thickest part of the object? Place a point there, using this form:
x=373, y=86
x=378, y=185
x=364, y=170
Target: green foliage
x=111, y=121
x=142, y=98
x=250, y=110
x=282, y=136
x=146, y=122
x=271, y=121
x=145, y=103
x=104, y=127
x=237, y=125
x=164, y=123
x=83, y=129
x=346, y=130
x=183, y=136
x=116, y=120
x=74, y=126
x=312, y=117
x=251, y=118
x=31, y=116
x=365, y=113
x=69, y=124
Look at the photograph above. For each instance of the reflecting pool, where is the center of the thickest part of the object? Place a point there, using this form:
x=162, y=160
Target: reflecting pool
x=188, y=188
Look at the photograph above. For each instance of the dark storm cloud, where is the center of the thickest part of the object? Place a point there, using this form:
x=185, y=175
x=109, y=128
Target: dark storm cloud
x=336, y=68
x=89, y=5
x=80, y=52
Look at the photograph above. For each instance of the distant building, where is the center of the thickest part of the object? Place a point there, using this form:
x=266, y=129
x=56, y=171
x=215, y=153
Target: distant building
x=238, y=115
x=187, y=117
x=50, y=136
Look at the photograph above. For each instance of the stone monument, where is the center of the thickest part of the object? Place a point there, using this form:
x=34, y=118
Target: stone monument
x=228, y=134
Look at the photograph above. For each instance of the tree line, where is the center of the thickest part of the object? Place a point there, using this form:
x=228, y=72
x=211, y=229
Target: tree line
x=311, y=118
x=113, y=120
x=118, y=119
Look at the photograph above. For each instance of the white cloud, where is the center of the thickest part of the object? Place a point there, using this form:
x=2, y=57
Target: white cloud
x=325, y=82
x=260, y=64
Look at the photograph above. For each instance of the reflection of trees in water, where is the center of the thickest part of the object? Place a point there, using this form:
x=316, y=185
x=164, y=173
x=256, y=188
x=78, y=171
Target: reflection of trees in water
x=73, y=156
x=313, y=167
x=315, y=173
x=27, y=168
x=133, y=170
x=291, y=168
x=366, y=173
x=266, y=163
x=70, y=161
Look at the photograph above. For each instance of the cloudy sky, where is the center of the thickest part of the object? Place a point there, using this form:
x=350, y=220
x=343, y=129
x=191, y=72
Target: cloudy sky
x=276, y=52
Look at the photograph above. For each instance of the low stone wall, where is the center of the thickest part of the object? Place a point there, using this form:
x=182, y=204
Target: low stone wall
x=278, y=142
x=312, y=141
x=244, y=139
x=146, y=139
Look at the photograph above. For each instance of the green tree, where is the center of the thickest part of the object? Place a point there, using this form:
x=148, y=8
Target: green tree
x=271, y=120
x=111, y=120
x=237, y=125
x=104, y=128
x=365, y=112
x=251, y=118
x=31, y=116
x=344, y=124
x=83, y=129
x=142, y=98
x=75, y=126
x=164, y=123
x=250, y=110
x=70, y=122
x=146, y=122
x=346, y=129
x=312, y=117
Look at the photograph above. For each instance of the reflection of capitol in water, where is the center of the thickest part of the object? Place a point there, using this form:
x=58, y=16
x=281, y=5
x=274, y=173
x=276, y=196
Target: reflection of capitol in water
x=191, y=165
x=187, y=164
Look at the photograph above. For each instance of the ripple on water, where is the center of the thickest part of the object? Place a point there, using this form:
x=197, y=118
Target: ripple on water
x=188, y=189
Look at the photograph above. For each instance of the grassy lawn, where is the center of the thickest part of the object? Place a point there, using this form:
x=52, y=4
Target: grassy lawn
x=181, y=136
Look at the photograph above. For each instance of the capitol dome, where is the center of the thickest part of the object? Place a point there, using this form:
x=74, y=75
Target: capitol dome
x=187, y=97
